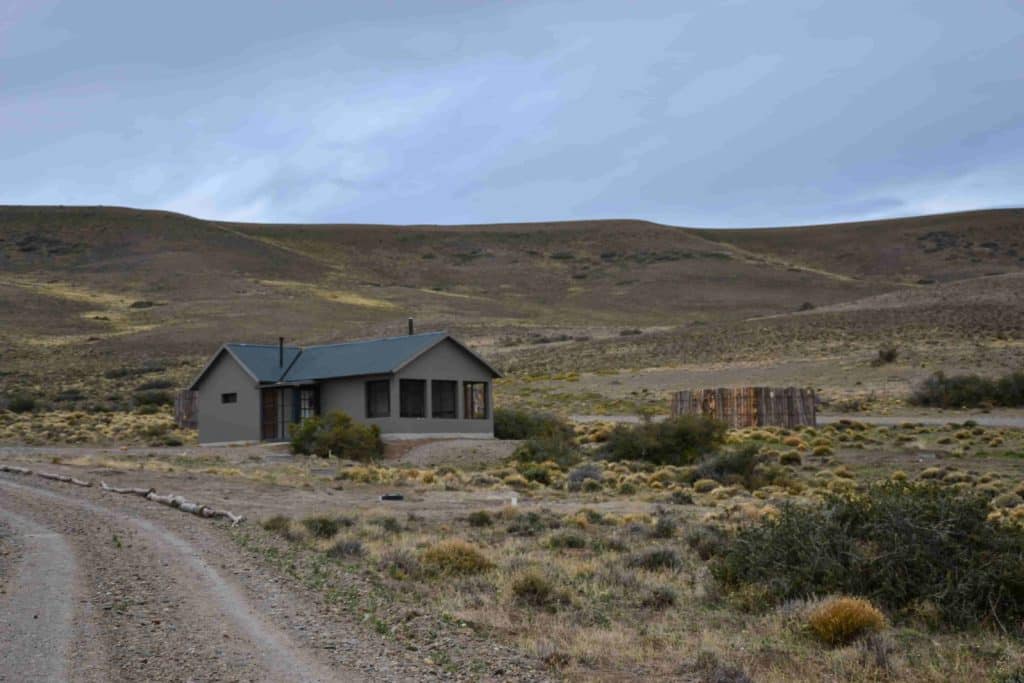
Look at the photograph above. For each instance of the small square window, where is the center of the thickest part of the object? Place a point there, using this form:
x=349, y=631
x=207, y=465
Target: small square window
x=378, y=398
x=229, y=398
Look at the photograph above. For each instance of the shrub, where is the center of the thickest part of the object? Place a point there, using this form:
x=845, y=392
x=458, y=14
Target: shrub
x=677, y=441
x=336, y=434
x=536, y=590
x=345, y=548
x=898, y=544
x=970, y=391
x=705, y=485
x=706, y=541
x=511, y=423
x=536, y=472
x=790, y=458
x=153, y=398
x=664, y=527
x=840, y=621
x=733, y=467
x=480, y=518
x=399, y=564
x=155, y=384
x=584, y=473
x=455, y=557
x=321, y=527
x=886, y=355
x=557, y=447
x=659, y=597
x=277, y=523
x=680, y=498
x=655, y=559
x=21, y=404
x=567, y=539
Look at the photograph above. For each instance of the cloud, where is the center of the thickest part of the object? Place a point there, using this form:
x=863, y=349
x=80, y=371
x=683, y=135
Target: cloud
x=706, y=113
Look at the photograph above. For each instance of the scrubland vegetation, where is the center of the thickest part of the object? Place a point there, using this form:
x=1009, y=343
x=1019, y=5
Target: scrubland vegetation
x=763, y=554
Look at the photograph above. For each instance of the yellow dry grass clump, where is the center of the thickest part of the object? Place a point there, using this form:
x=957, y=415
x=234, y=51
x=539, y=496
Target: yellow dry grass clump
x=455, y=557
x=841, y=620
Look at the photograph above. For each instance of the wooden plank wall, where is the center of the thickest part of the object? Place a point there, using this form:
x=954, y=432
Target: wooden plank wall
x=186, y=409
x=750, y=406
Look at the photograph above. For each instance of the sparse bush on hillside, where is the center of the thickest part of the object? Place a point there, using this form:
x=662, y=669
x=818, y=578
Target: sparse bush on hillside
x=21, y=404
x=155, y=384
x=886, y=355
x=336, y=434
x=898, y=544
x=121, y=373
x=153, y=398
x=970, y=391
x=511, y=423
x=321, y=527
x=676, y=441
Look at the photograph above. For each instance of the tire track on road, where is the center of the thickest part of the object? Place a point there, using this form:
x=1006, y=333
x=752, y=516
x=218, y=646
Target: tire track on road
x=36, y=613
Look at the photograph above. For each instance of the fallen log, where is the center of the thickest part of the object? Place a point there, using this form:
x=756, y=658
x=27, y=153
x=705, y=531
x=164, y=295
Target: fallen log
x=54, y=477
x=15, y=470
x=136, y=492
x=235, y=519
x=167, y=499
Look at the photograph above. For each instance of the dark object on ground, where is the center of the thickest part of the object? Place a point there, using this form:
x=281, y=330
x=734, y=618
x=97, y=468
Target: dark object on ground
x=392, y=496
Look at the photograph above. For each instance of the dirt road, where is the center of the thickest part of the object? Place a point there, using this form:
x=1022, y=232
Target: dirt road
x=102, y=589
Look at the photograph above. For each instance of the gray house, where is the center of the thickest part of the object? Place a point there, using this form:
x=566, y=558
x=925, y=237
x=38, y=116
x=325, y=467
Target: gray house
x=410, y=386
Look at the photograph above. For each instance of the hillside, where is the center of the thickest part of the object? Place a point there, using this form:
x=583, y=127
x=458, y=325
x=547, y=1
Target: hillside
x=86, y=289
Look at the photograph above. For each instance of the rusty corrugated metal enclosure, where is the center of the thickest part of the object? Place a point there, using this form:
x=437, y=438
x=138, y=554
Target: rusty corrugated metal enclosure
x=749, y=406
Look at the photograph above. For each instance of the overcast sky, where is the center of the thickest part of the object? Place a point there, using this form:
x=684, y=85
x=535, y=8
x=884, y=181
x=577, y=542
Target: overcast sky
x=727, y=113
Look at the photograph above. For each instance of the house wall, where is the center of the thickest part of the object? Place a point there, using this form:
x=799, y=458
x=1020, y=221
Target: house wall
x=446, y=361
x=220, y=422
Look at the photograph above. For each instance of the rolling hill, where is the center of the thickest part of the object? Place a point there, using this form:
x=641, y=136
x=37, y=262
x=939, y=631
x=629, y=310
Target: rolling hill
x=83, y=289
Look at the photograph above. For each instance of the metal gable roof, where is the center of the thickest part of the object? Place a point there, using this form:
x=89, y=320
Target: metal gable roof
x=350, y=359
x=262, y=360
x=373, y=357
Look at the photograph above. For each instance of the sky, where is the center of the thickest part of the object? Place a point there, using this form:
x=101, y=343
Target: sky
x=703, y=113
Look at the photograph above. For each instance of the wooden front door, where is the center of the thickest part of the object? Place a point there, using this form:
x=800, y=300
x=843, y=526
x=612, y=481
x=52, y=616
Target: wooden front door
x=268, y=414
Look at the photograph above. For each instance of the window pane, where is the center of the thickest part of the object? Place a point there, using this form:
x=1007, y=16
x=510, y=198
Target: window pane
x=442, y=398
x=413, y=397
x=378, y=398
x=307, y=402
x=229, y=398
x=475, y=397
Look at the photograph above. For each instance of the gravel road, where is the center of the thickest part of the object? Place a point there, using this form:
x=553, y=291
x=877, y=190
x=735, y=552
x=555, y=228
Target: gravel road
x=35, y=624
x=169, y=613
x=127, y=590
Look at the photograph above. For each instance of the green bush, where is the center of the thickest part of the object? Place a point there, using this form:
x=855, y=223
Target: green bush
x=155, y=384
x=480, y=518
x=898, y=544
x=970, y=391
x=734, y=467
x=336, y=434
x=21, y=404
x=677, y=441
x=153, y=398
x=511, y=423
x=321, y=527
x=555, y=446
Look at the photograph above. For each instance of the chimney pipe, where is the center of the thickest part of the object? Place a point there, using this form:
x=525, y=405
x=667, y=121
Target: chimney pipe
x=410, y=326
x=280, y=352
